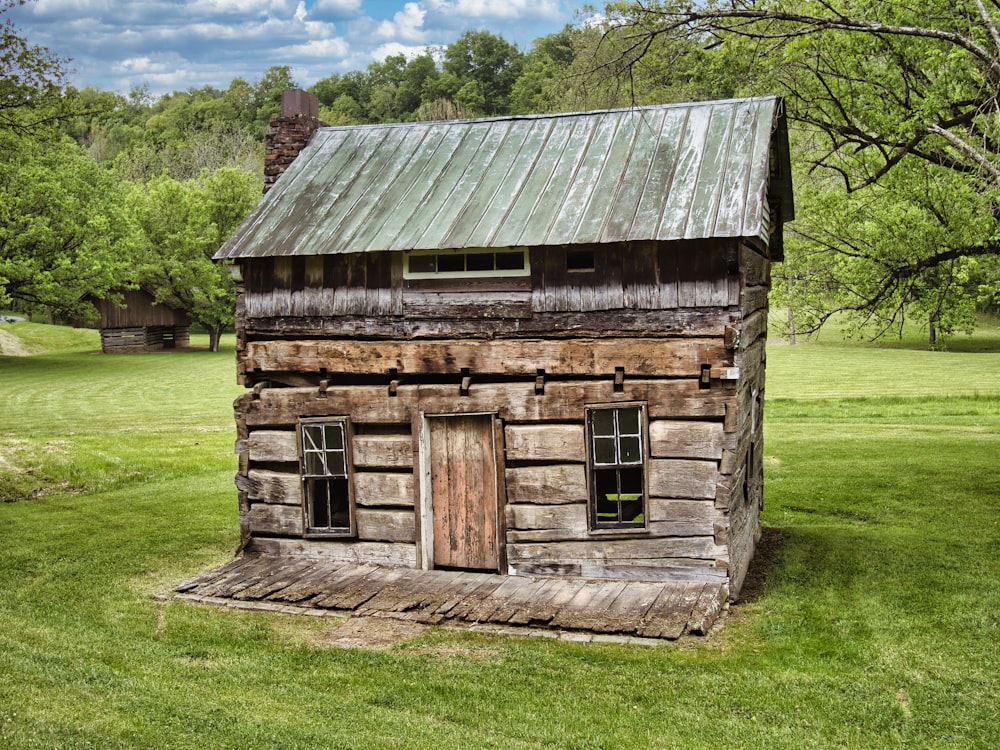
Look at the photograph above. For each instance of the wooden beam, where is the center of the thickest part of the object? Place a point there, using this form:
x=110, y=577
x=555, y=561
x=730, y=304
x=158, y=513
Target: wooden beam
x=383, y=451
x=514, y=401
x=545, y=442
x=641, y=357
x=552, y=484
x=271, y=487
x=273, y=446
x=676, y=439
x=386, y=525
x=383, y=489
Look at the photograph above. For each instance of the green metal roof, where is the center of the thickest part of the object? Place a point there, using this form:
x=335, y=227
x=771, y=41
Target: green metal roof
x=671, y=172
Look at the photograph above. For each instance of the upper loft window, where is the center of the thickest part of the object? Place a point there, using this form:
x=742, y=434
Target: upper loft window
x=465, y=264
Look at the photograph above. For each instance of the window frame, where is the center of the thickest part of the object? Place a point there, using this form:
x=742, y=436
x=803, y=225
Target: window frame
x=494, y=273
x=595, y=468
x=308, y=479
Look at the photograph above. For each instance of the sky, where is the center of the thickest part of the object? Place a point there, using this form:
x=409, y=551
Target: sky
x=173, y=45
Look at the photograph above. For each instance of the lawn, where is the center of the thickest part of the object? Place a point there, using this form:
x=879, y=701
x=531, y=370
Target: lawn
x=875, y=627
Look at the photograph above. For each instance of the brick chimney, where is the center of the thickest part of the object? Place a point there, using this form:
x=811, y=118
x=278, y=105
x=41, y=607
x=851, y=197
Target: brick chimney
x=289, y=133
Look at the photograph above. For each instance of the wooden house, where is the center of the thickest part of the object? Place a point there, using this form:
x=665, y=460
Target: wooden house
x=141, y=325
x=531, y=346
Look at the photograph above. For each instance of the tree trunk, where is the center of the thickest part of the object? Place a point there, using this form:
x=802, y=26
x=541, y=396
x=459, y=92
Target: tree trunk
x=214, y=335
x=932, y=334
x=791, y=315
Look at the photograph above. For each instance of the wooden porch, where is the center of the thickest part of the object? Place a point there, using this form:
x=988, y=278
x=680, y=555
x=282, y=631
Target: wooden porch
x=665, y=610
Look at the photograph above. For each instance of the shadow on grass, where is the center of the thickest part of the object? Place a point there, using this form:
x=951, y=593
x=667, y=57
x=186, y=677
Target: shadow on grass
x=766, y=558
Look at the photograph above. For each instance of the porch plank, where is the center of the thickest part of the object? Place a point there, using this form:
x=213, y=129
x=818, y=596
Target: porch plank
x=665, y=610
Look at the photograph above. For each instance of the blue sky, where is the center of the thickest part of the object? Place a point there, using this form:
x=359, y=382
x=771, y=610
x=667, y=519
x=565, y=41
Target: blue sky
x=172, y=45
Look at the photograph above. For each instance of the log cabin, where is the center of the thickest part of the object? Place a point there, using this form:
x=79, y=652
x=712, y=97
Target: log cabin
x=530, y=346
x=140, y=323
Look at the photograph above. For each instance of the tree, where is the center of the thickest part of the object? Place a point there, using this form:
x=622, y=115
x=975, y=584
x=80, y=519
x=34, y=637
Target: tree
x=490, y=62
x=183, y=224
x=874, y=89
x=31, y=80
x=64, y=230
x=267, y=94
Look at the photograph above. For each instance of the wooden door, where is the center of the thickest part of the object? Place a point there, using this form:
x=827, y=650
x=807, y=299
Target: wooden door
x=464, y=491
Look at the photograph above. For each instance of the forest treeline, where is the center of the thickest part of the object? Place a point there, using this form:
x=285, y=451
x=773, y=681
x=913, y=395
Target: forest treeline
x=894, y=116
x=479, y=75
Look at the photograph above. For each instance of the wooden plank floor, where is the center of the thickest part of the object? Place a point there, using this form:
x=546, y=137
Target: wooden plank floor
x=634, y=608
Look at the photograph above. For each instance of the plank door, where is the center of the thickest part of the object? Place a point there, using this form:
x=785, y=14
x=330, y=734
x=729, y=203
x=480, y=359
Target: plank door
x=464, y=491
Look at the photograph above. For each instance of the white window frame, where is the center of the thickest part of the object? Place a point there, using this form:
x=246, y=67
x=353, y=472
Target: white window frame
x=491, y=274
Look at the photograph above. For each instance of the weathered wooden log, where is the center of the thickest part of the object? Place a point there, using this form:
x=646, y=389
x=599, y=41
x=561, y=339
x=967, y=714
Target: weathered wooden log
x=279, y=520
x=271, y=486
x=545, y=442
x=676, y=439
x=638, y=357
x=684, y=323
x=551, y=484
x=273, y=446
x=352, y=551
x=380, y=489
x=386, y=525
x=515, y=402
x=383, y=451
x=682, y=478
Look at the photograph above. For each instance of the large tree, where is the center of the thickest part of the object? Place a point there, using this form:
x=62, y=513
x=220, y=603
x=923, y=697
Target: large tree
x=900, y=103
x=64, y=230
x=183, y=224
x=31, y=80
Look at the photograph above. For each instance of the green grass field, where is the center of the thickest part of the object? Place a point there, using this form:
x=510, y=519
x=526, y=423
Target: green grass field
x=876, y=626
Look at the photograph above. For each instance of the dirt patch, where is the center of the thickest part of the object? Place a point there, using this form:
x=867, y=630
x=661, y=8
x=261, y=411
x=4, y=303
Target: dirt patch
x=372, y=633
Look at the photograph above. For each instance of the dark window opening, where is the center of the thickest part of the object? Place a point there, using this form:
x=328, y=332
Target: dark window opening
x=450, y=263
x=580, y=260
x=510, y=261
x=461, y=264
x=423, y=264
x=479, y=262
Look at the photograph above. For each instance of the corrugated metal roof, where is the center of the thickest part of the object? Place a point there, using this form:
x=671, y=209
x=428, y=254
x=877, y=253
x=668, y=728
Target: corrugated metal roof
x=668, y=172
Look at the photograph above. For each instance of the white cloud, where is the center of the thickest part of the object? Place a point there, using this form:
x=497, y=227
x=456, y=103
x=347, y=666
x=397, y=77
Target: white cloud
x=507, y=9
x=336, y=9
x=395, y=48
x=407, y=24
x=170, y=44
x=139, y=65
x=334, y=48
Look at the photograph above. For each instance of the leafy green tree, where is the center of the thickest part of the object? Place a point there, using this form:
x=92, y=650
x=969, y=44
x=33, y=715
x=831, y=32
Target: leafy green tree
x=267, y=93
x=846, y=252
x=183, y=224
x=488, y=60
x=874, y=89
x=64, y=229
x=31, y=80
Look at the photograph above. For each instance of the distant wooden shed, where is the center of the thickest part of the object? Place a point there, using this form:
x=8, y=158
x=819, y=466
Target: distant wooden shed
x=141, y=325
x=531, y=346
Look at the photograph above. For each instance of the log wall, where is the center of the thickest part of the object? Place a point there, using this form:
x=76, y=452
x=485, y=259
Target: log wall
x=143, y=338
x=346, y=337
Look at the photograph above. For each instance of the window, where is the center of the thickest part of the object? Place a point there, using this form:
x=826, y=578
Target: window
x=422, y=264
x=326, y=485
x=616, y=437
x=580, y=260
